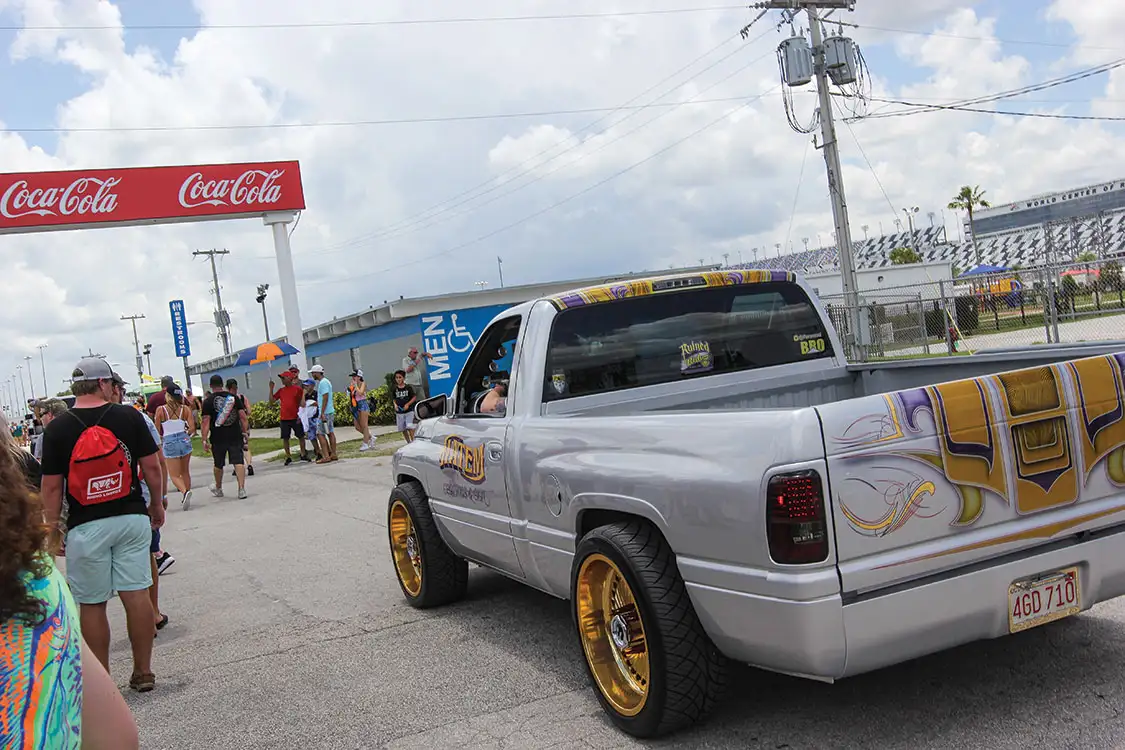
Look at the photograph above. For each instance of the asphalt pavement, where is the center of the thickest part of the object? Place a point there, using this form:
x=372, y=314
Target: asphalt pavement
x=288, y=631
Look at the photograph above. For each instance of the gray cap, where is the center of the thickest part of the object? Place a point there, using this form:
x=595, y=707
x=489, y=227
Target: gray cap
x=91, y=368
x=166, y=381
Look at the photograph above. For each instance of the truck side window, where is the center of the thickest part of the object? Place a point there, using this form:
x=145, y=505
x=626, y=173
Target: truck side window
x=663, y=338
x=489, y=366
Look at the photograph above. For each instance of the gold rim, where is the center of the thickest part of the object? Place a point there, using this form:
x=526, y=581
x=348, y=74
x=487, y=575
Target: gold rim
x=613, y=635
x=407, y=552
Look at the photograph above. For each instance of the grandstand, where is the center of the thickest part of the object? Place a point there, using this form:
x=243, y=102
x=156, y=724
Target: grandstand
x=1057, y=227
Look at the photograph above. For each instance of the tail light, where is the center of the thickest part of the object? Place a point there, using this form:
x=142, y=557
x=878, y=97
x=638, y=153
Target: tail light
x=795, y=519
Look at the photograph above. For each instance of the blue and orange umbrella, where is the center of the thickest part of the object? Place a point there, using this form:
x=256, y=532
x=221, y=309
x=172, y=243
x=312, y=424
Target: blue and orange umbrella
x=264, y=353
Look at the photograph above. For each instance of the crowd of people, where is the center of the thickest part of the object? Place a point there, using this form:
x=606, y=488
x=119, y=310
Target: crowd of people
x=86, y=481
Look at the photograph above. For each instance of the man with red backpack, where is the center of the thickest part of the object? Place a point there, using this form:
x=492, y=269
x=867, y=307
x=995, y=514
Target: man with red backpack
x=93, y=458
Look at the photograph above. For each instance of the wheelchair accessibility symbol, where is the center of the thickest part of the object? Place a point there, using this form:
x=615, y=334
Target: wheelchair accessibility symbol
x=459, y=339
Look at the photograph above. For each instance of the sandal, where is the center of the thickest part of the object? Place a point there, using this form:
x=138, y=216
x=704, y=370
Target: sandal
x=161, y=623
x=142, y=683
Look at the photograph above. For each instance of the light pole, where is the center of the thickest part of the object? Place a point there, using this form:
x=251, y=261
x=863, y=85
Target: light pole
x=23, y=394
x=931, y=214
x=777, y=246
x=136, y=344
x=865, y=228
x=261, y=299
x=806, y=241
x=43, y=364
x=910, y=218
x=480, y=285
x=30, y=383
x=725, y=257
x=148, y=358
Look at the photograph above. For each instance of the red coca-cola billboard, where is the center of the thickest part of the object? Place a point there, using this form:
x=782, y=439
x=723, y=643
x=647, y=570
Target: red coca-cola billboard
x=146, y=195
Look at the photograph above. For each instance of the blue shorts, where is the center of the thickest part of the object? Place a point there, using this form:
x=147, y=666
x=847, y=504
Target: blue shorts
x=328, y=426
x=109, y=555
x=177, y=445
x=155, y=546
x=361, y=405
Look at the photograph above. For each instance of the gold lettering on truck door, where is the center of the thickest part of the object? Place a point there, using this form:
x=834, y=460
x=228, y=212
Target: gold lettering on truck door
x=1046, y=475
x=1101, y=413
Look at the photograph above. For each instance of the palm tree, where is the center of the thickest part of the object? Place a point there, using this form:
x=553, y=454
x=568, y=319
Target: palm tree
x=968, y=199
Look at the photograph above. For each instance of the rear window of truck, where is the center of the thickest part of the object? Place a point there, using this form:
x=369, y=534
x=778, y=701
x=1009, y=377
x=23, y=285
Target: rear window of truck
x=670, y=337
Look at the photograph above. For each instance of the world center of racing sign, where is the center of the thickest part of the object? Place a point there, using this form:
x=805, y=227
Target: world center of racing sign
x=43, y=201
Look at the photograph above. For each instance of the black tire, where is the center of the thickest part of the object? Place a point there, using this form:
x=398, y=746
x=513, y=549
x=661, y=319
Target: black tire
x=444, y=577
x=687, y=674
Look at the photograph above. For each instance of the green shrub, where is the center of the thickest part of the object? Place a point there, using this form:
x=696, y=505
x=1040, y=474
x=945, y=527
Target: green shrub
x=265, y=414
x=343, y=406
x=382, y=407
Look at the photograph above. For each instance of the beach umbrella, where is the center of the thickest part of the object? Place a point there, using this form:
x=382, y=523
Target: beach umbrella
x=264, y=353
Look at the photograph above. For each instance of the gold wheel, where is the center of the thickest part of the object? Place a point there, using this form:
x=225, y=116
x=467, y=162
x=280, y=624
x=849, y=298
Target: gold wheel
x=613, y=635
x=404, y=544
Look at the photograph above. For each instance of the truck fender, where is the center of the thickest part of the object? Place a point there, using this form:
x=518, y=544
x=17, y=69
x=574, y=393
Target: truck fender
x=587, y=503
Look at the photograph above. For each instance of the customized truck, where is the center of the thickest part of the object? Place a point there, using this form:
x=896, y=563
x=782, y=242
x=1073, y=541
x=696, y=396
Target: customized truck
x=691, y=462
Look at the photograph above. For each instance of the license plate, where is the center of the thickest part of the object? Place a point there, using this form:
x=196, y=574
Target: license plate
x=1043, y=600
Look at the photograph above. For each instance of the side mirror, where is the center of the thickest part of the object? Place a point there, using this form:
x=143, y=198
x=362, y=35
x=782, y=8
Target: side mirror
x=431, y=407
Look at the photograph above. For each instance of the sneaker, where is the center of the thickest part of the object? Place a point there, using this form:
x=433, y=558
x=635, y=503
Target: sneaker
x=365, y=447
x=217, y=491
x=250, y=470
x=242, y=493
x=306, y=458
x=163, y=562
x=288, y=460
x=185, y=501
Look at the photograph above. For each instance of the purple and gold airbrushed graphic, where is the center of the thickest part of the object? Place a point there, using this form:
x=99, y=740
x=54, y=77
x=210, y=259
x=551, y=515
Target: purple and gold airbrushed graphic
x=662, y=284
x=1021, y=442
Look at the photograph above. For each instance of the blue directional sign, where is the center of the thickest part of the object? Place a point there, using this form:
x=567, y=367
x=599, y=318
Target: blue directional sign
x=180, y=328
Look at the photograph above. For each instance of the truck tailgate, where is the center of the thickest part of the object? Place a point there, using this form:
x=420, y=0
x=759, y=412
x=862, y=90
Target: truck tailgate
x=929, y=479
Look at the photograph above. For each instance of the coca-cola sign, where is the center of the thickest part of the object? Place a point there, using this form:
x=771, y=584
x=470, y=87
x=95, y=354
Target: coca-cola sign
x=146, y=195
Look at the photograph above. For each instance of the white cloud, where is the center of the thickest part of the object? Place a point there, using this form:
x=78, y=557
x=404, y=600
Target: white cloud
x=728, y=189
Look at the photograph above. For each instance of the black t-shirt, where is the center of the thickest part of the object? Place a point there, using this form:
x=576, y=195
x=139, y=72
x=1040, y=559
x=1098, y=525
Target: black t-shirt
x=61, y=436
x=223, y=408
x=402, y=395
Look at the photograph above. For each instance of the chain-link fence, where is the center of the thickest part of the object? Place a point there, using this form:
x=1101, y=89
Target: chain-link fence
x=1069, y=303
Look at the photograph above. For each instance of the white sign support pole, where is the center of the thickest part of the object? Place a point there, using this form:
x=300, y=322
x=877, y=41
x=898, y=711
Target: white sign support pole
x=287, y=279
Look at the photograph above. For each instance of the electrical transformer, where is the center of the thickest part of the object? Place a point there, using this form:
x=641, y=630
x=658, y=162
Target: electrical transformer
x=796, y=61
x=841, y=60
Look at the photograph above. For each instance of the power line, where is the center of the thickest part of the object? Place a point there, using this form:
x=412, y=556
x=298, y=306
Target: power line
x=942, y=34
x=385, y=22
x=355, y=123
x=432, y=215
x=988, y=98
x=870, y=166
x=449, y=213
x=923, y=109
x=553, y=206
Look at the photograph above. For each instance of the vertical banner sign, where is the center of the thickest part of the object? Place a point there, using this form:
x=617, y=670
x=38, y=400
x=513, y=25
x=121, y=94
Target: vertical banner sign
x=179, y=328
x=448, y=337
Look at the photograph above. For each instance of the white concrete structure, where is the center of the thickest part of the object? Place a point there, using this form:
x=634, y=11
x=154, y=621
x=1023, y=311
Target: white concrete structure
x=879, y=282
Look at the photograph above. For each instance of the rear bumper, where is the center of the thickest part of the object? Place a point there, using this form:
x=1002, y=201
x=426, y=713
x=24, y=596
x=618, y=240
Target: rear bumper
x=826, y=638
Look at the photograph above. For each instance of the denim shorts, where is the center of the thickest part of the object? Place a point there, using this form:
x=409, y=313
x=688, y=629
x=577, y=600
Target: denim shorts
x=361, y=405
x=177, y=445
x=328, y=426
x=109, y=555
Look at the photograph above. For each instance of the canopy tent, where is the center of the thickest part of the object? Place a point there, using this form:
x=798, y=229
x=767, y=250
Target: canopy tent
x=981, y=270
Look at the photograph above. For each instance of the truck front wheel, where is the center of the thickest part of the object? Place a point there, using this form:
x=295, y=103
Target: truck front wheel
x=653, y=667
x=428, y=572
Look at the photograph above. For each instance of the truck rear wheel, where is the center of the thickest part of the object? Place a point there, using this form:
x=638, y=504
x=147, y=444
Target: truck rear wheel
x=651, y=663
x=428, y=572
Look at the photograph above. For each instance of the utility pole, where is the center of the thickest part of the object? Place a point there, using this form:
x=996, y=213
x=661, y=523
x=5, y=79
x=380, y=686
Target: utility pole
x=43, y=364
x=261, y=298
x=148, y=358
x=23, y=394
x=222, y=319
x=137, y=345
x=30, y=383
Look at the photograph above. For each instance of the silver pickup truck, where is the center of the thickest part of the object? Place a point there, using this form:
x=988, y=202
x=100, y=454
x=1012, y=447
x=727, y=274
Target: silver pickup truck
x=690, y=461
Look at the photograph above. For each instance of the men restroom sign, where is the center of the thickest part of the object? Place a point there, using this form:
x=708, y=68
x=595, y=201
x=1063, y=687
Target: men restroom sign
x=179, y=328
x=448, y=337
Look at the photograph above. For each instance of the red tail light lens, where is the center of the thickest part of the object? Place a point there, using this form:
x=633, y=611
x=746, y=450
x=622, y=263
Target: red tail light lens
x=795, y=518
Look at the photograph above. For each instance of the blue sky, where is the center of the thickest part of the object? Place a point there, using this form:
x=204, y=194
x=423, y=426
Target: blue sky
x=608, y=206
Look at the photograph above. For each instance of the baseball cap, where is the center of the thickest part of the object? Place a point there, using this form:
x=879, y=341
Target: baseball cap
x=91, y=368
x=294, y=368
x=357, y=374
x=117, y=378
x=317, y=369
x=167, y=380
x=174, y=390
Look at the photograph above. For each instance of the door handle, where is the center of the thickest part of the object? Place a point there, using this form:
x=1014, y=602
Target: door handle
x=495, y=452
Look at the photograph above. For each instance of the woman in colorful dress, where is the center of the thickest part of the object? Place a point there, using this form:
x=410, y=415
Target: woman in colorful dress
x=54, y=694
